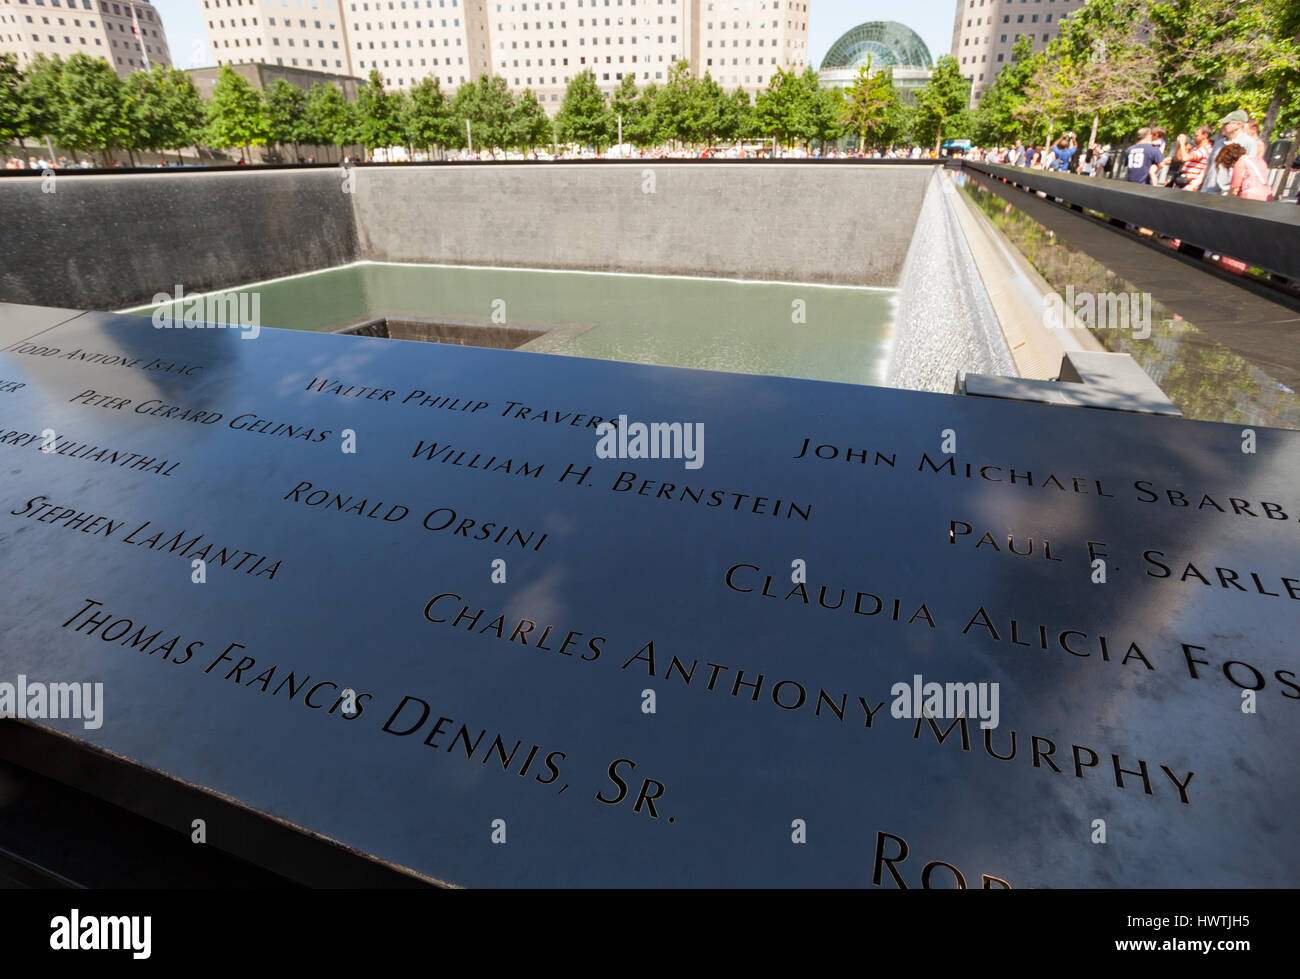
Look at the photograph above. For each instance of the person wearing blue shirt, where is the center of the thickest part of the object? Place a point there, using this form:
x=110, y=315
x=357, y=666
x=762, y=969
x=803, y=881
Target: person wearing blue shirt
x=1143, y=159
x=1062, y=152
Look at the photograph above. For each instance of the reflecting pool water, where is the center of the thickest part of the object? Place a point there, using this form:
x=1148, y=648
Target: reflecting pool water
x=831, y=333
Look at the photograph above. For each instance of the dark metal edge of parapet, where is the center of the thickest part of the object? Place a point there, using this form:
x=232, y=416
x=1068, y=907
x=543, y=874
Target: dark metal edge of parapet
x=1264, y=233
x=274, y=845
x=635, y=161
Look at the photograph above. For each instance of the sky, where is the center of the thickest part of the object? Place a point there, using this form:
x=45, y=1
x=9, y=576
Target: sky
x=827, y=20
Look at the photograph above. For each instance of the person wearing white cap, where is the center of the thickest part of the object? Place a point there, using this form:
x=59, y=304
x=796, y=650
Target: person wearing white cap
x=1216, y=182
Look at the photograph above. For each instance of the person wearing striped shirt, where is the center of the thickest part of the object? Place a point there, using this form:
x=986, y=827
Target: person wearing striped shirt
x=1194, y=166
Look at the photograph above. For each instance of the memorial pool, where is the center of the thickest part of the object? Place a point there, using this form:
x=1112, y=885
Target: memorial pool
x=818, y=332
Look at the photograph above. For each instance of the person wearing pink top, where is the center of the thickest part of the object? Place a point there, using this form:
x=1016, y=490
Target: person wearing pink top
x=1249, y=173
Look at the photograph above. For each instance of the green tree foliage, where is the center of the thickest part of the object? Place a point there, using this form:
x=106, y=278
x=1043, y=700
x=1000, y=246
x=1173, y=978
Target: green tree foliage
x=429, y=120
x=1120, y=64
x=941, y=104
x=401, y=109
x=94, y=111
x=11, y=100
x=900, y=126
x=286, y=111
x=149, y=110
x=718, y=114
x=488, y=106
x=742, y=111
x=699, y=119
x=999, y=117
x=866, y=105
x=685, y=110
x=794, y=108
x=584, y=117
x=379, y=114
x=1116, y=65
x=678, y=108
x=1101, y=68
x=1220, y=55
x=41, y=99
x=825, y=121
x=236, y=114
x=328, y=118
x=529, y=124
x=1049, y=99
x=184, y=125
x=779, y=107
x=641, y=124
x=624, y=104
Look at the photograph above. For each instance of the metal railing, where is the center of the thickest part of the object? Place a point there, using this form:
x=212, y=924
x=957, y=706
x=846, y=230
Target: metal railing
x=1265, y=234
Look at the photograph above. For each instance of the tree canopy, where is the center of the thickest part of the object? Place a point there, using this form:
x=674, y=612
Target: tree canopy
x=941, y=104
x=584, y=117
x=236, y=113
x=1116, y=65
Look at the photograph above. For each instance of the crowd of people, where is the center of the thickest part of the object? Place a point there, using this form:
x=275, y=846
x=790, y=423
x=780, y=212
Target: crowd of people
x=41, y=163
x=1231, y=164
x=398, y=154
x=741, y=151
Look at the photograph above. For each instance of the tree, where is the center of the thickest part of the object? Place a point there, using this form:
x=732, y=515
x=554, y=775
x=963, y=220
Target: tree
x=824, y=122
x=1235, y=54
x=379, y=114
x=183, y=125
x=529, y=124
x=348, y=131
x=941, y=104
x=724, y=116
x=164, y=108
x=707, y=111
x=584, y=118
x=236, y=113
x=743, y=113
x=1049, y=96
x=487, y=105
x=286, y=106
x=641, y=125
x=623, y=104
x=40, y=98
x=866, y=103
x=329, y=118
x=679, y=111
x=1102, y=62
x=11, y=100
x=777, y=108
x=795, y=108
x=145, y=111
x=400, y=105
x=1121, y=64
x=874, y=111
x=1274, y=64
x=999, y=116
x=429, y=120
x=94, y=111
x=315, y=128
x=713, y=114
x=899, y=125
